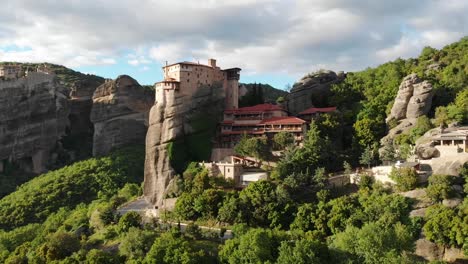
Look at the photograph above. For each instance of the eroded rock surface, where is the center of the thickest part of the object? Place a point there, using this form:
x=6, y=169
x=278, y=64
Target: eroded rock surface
x=413, y=100
x=33, y=117
x=179, y=125
x=120, y=114
x=312, y=90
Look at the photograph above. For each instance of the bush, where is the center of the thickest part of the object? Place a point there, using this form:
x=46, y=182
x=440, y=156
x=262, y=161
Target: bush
x=59, y=246
x=440, y=187
x=406, y=178
x=128, y=220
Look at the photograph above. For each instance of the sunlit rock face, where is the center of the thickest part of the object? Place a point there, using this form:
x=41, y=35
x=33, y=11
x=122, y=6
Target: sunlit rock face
x=181, y=127
x=120, y=114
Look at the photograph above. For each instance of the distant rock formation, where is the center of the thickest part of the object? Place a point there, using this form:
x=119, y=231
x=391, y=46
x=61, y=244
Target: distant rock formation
x=312, y=90
x=120, y=114
x=179, y=126
x=33, y=117
x=414, y=99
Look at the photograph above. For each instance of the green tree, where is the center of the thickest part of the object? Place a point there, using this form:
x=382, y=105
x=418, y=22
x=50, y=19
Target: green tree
x=256, y=246
x=171, y=248
x=59, y=246
x=303, y=251
x=208, y=203
x=406, y=178
x=373, y=243
x=128, y=220
x=368, y=131
x=232, y=210
x=256, y=147
x=441, y=116
x=440, y=187
x=444, y=226
x=283, y=140
x=368, y=156
x=96, y=256
x=136, y=243
x=184, y=207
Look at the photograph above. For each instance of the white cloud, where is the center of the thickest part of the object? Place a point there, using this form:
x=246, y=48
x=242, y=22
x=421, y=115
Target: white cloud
x=267, y=36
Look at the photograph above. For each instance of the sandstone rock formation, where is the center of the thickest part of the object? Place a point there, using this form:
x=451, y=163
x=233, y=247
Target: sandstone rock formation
x=120, y=114
x=33, y=117
x=312, y=90
x=179, y=126
x=413, y=100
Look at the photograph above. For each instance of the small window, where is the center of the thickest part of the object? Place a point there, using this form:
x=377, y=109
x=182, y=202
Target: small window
x=229, y=170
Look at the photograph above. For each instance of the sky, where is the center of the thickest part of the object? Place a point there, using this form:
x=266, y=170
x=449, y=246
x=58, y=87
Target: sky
x=273, y=41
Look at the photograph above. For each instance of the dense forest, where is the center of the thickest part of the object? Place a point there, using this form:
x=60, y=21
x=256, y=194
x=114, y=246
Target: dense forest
x=70, y=215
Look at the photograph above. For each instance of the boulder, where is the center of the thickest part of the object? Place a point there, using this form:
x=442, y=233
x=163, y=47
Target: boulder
x=421, y=212
x=455, y=255
x=312, y=90
x=452, y=203
x=120, y=114
x=426, y=151
x=429, y=250
x=33, y=118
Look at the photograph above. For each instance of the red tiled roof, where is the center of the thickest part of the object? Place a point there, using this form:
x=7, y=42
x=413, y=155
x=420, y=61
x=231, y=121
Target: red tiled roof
x=284, y=120
x=249, y=132
x=256, y=108
x=314, y=110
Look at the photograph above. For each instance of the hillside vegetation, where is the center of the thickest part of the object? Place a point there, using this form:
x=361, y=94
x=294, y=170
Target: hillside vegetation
x=81, y=182
x=366, y=97
x=66, y=75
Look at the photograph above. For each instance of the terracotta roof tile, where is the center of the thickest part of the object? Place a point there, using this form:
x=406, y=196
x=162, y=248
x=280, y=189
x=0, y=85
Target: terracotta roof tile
x=284, y=120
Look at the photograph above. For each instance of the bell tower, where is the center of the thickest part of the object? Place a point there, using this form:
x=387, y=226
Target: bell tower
x=232, y=88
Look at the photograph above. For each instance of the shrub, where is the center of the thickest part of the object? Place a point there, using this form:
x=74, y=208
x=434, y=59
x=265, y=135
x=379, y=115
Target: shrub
x=406, y=178
x=440, y=187
x=130, y=219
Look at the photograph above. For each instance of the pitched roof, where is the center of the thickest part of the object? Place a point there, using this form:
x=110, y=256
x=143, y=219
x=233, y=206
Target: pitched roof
x=283, y=120
x=314, y=110
x=256, y=108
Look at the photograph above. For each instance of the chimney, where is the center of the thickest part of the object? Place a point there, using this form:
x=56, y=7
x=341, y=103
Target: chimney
x=212, y=63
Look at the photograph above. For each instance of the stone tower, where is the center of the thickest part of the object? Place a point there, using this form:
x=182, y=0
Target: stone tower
x=232, y=87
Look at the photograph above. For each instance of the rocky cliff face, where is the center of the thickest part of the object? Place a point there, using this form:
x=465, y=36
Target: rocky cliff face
x=33, y=117
x=181, y=128
x=120, y=114
x=414, y=99
x=312, y=90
